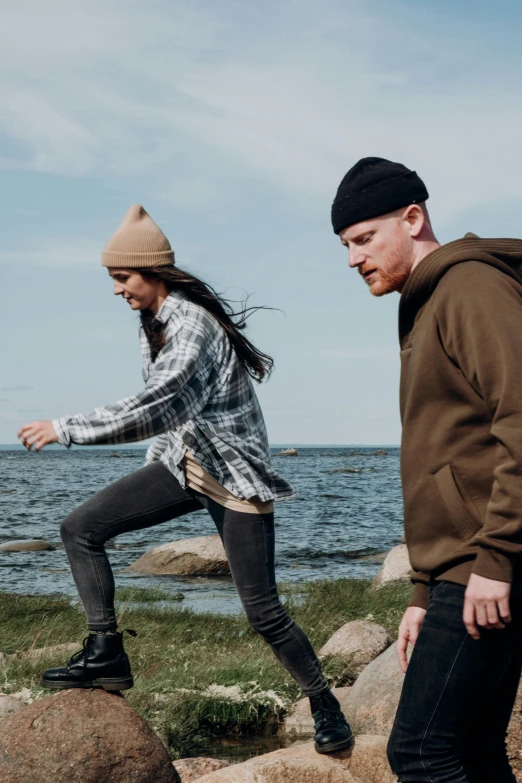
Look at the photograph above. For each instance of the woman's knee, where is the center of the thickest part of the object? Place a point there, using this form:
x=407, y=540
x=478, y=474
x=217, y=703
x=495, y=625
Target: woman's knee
x=75, y=526
x=268, y=620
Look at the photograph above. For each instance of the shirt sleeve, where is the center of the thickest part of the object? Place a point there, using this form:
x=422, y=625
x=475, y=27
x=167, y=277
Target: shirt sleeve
x=421, y=595
x=178, y=388
x=483, y=336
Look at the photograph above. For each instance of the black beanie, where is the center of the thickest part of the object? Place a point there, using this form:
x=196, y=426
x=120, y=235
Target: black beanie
x=374, y=187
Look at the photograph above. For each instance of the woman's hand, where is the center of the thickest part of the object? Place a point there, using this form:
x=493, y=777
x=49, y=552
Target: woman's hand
x=486, y=604
x=37, y=435
x=408, y=632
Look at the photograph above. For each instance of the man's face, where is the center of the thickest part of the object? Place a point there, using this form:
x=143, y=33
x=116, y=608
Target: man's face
x=382, y=251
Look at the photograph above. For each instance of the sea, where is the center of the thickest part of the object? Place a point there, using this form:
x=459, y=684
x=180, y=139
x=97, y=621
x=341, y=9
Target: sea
x=346, y=516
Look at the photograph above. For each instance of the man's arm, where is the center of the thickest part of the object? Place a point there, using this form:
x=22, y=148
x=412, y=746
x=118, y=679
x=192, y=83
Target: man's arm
x=481, y=330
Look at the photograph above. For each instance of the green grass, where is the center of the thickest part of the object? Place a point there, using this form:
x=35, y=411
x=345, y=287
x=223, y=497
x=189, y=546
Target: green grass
x=178, y=649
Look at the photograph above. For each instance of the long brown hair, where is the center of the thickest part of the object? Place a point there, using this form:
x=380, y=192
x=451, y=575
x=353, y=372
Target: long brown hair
x=257, y=364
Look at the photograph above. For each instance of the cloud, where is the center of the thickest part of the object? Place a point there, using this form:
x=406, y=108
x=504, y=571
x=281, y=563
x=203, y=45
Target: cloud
x=56, y=253
x=19, y=388
x=288, y=96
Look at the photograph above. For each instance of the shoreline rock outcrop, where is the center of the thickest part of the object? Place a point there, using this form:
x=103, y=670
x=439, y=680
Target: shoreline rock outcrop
x=193, y=769
x=356, y=644
x=29, y=545
x=366, y=763
x=198, y=556
x=82, y=736
x=396, y=567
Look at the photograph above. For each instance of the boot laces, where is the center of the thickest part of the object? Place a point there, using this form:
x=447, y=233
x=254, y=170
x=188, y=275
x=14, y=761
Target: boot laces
x=75, y=658
x=327, y=715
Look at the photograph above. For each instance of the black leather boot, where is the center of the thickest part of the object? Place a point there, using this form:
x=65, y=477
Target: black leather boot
x=332, y=731
x=102, y=663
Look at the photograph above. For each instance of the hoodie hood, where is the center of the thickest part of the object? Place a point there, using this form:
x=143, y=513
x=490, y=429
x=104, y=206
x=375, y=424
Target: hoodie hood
x=504, y=254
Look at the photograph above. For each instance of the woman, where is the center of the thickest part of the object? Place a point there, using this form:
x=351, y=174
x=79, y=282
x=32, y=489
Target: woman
x=212, y=452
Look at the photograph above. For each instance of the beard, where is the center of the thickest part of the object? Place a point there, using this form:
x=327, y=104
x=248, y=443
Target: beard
x=391, y=276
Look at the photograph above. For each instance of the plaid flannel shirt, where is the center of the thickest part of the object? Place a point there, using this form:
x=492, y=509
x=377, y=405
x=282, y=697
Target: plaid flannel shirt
x=197, y=396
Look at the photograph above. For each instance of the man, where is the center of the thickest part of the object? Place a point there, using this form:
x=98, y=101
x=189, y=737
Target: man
x=460, y=329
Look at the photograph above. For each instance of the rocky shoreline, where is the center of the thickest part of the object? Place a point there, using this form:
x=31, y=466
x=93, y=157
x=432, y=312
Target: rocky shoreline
x=202, y=676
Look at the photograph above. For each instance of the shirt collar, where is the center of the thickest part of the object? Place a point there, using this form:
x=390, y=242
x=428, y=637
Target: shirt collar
x=169, y=306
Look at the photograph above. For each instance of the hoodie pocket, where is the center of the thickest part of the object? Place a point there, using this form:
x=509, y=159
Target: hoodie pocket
x=460, y=509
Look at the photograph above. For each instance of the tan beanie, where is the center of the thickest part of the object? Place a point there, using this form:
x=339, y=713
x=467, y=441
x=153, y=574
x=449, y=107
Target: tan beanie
x=138, y=243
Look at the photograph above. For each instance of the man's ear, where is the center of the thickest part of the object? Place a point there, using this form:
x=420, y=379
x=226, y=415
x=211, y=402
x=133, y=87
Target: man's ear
x=416, y=219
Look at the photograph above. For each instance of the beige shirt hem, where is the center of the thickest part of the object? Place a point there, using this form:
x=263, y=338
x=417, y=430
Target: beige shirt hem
x=198, y=479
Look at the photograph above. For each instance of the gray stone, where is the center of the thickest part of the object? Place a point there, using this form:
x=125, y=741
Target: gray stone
x=288, y=453
x=366, y=763
x=8, y=705
x=356, y=644
x=82, y=736
x=194, y=769
x=299, y=723
x=199, y=556
x=396, y=567
x=25, y=546
x=371, y=703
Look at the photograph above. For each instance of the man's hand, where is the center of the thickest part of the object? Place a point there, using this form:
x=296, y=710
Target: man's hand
x=37, y=435
x=408, y=632
x=486, y=604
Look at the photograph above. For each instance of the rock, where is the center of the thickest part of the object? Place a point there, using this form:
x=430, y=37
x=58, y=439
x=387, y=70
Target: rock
x=371, y=703
x=380, y=453
x=299, y=723
x=357, y=644
x=199, y=556
x=193, y=769
x=396, y=567
x=82, y=736
x=25, y=546
x=514, y=737
x=8, y=705
x=302, y=764
x=288, y=453
x=369, y=762
x=345, y=470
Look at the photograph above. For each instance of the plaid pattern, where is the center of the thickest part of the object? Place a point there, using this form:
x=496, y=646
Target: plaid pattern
x=197, y=396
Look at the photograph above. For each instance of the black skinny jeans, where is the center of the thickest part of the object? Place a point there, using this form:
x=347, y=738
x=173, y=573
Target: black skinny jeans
x=153, y=495
x=457, y=698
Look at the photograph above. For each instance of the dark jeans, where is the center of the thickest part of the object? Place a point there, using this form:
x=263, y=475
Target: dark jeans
x=457, y=698
x=153, y=495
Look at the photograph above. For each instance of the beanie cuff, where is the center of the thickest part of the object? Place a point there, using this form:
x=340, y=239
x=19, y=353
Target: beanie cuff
x=378, y=200
x=124, y=260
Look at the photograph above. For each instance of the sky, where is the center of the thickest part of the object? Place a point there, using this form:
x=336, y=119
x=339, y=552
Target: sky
x=233, y=124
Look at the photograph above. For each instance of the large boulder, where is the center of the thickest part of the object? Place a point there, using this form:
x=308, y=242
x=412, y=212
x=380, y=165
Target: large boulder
x=356, y=644
x=371, y=703
x=81, y=736
x=299, y=723
x=25, y=546
x=9, y=705
x=194, y=769
x=367, y=763
x=199, y=556
x=396, y=567
x=514, y=737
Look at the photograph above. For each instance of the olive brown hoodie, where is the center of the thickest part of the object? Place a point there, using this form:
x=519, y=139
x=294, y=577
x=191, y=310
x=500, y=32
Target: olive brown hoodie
x=460, y=328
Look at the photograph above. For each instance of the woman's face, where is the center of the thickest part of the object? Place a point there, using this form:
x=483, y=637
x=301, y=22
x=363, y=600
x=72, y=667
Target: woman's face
x=141, y=293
